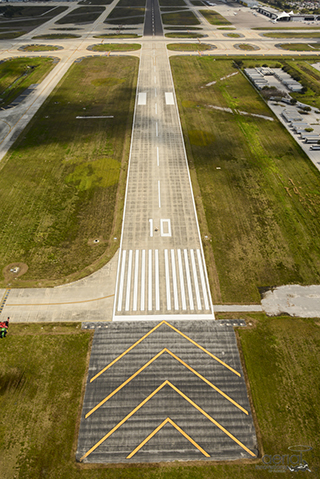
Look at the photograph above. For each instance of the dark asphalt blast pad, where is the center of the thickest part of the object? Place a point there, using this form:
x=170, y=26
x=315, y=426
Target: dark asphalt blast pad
x=168, y=444
x=149, y=29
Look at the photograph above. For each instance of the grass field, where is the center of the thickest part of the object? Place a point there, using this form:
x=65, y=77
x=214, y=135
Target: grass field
x=115, y=47
x=9, y=35
x=117, y=35
x=41, y=377
x=29, y=23
x=39, y=48
x=292, y=34
x=183, y=28
x=126, y=15
x=183, y=35
x=300, y=47
x=261, y=209
x=55, y=36
x=246, y=47
x=214, y=18
x=188, y=47
x=131, y=3
x=23, y=12
x=95, y=2
x=184, y=17
x=63, y=183
x=18, y=74
x=286, y=28
x=82, y=15
x=233, y=35
x=172, y=3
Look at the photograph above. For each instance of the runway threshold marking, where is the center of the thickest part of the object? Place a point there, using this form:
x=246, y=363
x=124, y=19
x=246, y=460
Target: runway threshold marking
x=157, y=429
x=148, y=334
x=165, y=383
x=165, y=350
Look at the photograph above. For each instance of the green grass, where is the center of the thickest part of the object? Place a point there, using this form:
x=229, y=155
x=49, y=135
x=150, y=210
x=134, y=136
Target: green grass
x=246, y=47
x=63, y=183
x=183, y=28
x=16, y=75
x=41, y=376
x=55, y=36
x=214, y=18
x=29, y=23
x=233, y=35
x=286, y=28
x=95, y=2
x=23, y=12
x=117, y=35
x=82, y=15
x=183, y=35
x=292, y=34
x=9, y=35
x=172, y=3
x=261, y=210
x=188, y=47
x=116, y=47
x=300, y=47
x=184, y=17
x=131, y=3
x=197, y=3
x=126, y=15
x=39, y=48
x=226, y=28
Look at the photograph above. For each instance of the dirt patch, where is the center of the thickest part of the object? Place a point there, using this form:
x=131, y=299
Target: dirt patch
x=14, y=270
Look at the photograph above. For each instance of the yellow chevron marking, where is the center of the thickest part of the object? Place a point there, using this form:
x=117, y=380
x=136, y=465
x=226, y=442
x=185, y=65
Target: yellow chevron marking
x=165, y=350
x=158, y=429
x=150, y=332
x=146, y=400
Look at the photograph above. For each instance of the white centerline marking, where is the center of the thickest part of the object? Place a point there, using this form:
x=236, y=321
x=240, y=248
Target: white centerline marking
x=155, y=79
x=150, y=281
x=157, y=131
x=156, y=271
x=127, y=306
x=195, y=279
x=135, y=284
x=143, y=279
x=203, y=281
x=157, y=156
x=166, y=267
x=183, y=294
x=156, y=108
x=155, y=92
x=123, y=264
x=186, y=261
x=174, y=280
x=159, y=194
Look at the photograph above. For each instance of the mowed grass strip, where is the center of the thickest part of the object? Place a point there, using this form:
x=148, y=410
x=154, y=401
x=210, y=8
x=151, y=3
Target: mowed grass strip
x=257, y=193
x=56, y=36
x=82, y=15
x=19, y=73
x=292, y=34
x=59, y=187
x=189, y=47
x=115, y=47
x=30, y=22
x=299, y=47
x=43, y=369
x=9, y=35
x=214, y=17
x=184, y=17
x=40, y=48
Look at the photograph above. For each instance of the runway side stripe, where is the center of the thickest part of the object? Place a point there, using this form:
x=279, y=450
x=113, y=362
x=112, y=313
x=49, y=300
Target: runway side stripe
x=143, y=280
x=127, y=306
x=123, y=264
x=203, y=281
x=135, y=285
x=150, y=281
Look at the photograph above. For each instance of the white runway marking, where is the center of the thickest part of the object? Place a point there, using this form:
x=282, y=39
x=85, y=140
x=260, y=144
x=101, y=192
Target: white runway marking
x=155, y=79
x=203, y=281
x=157, y=131
x=150, y=281
x=182, y=290
x=123, y=264
x=156, y=108
x=151, y=228
x=159, y=194
x=155, y=92
x=166, y=267
x=174, y=281
x=127, y=307
x=143, y=279
x=157, y=156
x=195, y=279
x=142, y=99
x=156, y=283
x=169, y=98
x=135, y=285
x=165, y=228
x=190, y=295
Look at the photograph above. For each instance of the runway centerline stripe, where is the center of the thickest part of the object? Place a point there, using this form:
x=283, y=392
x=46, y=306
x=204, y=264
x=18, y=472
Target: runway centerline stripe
x=157, y=429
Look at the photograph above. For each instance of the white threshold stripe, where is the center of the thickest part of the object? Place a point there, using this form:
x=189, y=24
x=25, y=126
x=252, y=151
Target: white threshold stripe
x=150, y=281
x=157, y=285
x=127, y=305
x=182, y=289
x=203, y=281
x=190, y=295
x=143, y=280
x=166, y=267
x=123, y=264
x=159, y=317
x=174, y=281
x=195, y=279
x=135, y=284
